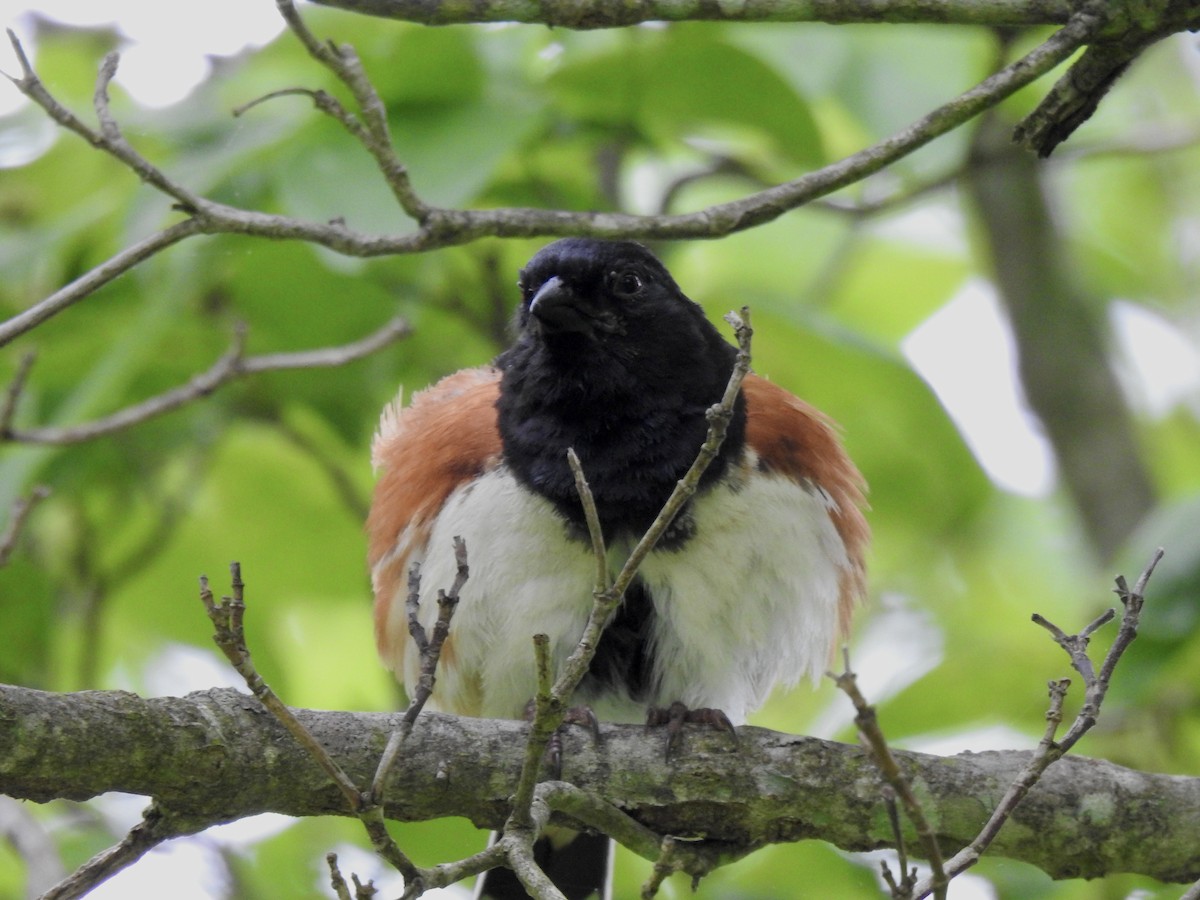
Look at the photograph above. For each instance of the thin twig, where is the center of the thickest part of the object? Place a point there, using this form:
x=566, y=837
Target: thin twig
x=871, y=734
x=902, y=889
x=90, y=282
x=430, y=650
x=18, y=514
x=1050, y=750
x=548, y=712
x=674, y=854
x=12, y=396
x=227, y=618
x=322, y=100
x=335, y=877
x=374, y=134
x=156, y=827
x=361, y=891
x=444, y=227
x=231, y=366
x=109, y=137
x=592, y=516
x=664, y=867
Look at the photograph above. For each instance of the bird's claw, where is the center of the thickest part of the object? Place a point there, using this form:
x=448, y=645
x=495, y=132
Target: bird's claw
x=677, y=714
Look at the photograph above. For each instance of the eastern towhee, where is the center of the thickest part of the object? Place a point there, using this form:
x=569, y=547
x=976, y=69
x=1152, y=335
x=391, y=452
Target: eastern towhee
x=752, y=585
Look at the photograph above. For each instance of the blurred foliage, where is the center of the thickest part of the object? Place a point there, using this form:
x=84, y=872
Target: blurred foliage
x=273, y=471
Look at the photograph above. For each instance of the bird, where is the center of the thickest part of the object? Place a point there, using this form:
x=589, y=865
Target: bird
x=753, y=584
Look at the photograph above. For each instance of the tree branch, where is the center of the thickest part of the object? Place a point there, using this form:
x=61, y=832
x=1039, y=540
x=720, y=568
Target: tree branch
x=870, y=733
x=155, y=828
x=230, y=366
x=18, y=514
x=590, y=14
x=438, y=227
x=374, y=135
x=87, y=284
x=776, y=788
x=1077, y=94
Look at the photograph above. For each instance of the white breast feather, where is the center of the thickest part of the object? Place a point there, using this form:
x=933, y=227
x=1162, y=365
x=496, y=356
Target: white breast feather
x=749, y=602
x=752, y=600
x=526, y=577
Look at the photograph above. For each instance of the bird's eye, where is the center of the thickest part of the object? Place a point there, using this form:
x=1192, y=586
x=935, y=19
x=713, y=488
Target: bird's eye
x=626, y=284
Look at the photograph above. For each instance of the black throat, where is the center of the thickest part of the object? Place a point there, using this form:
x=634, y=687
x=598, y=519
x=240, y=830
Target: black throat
x=634, y=439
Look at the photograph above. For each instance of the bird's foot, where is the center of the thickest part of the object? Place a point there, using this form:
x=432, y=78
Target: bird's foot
x=576, y=715
x=677, y=714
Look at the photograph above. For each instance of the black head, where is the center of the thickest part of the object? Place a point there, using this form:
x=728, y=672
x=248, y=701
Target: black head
x=580, y=294
x=612, y=359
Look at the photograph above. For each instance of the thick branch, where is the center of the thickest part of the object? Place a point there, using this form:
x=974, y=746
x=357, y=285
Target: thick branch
x=1085, y=818
x=587, y=14
x=1129, y=29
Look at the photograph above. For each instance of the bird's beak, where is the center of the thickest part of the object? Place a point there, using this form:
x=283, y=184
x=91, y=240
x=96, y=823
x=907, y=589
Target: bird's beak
x=557, y=308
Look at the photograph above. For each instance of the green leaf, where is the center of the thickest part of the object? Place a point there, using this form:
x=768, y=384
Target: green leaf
x=682, y=83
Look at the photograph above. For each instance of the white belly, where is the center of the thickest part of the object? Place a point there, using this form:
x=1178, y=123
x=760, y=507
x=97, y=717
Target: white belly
x=749, y=601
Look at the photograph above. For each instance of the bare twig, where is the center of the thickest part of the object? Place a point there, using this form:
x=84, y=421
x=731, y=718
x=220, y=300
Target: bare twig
x=230, y=636
x=874, y=205
x=335, y=877
x=90, y=282
x=1049, y=750
x=17, y=516
x=12, y=396
x=592, y=517
x=872, y=735
x=227, y=618
x=446, y=227
x=430, y=650
x=361, y=891
x=156, y=827
x=375, y=136
x=902, y=889
x=109, y=137
x=232, y=365
x=694, y=858
x=664, y=867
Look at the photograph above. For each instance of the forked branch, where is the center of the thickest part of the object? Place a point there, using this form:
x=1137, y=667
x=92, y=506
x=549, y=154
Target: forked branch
x=441, y=227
